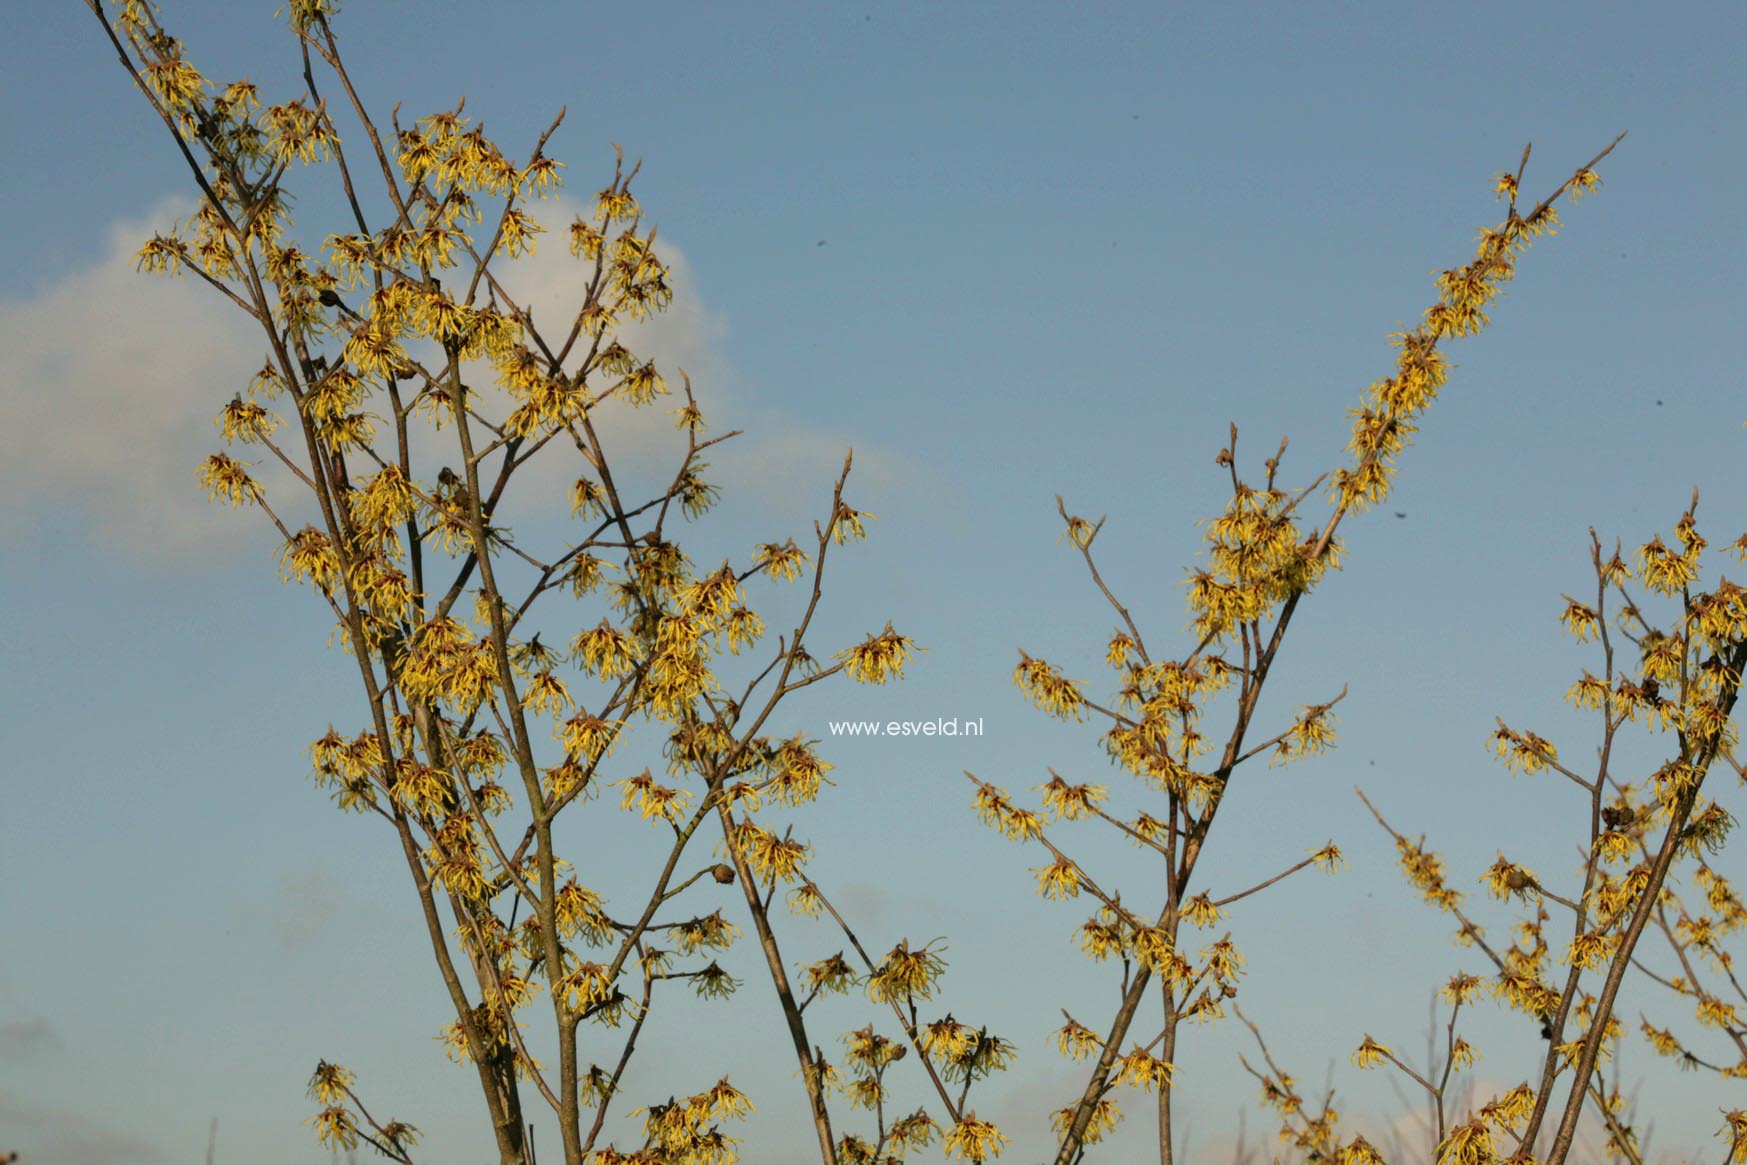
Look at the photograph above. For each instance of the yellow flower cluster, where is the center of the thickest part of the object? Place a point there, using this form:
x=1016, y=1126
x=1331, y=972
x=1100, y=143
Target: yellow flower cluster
x=1103, y=1118
x=878, y=658
x=769, y=855
x=684, y=1132
x=996, y=809
x=1071, y=802
x=1046, y=687
x=1257, y=558
x=710, y=932
x=974, y=1140
x=905, y=974
x=445, y=663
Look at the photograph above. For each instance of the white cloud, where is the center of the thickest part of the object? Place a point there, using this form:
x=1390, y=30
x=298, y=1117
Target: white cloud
x=112, y=383
x=779, y=462
x=113, y=379
x=687, y=336
x=777, y=457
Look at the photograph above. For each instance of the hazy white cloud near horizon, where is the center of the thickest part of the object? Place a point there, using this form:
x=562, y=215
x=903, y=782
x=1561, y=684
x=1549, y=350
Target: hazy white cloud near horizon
x=117, y=375
x=26, y=1038
x=48, y=1133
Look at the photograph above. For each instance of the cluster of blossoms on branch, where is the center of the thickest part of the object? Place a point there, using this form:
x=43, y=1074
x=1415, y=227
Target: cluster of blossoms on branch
x=403, y=328
x=1262, y=558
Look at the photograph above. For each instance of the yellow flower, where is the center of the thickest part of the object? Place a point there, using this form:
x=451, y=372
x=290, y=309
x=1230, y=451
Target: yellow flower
x=905, y=974
x=1460, y=989
x=585, y=240
x=1506, y=880
x=769, y=855
x=974, y=1140
x=1152, y=947
x=1071, y=802
x=330, y=1083
x=847, y=524
x=1589, y=950
x=615, y=202
x=1512, y=1108
x=542, y=176
x=995, y=809
x=1469, y=1144
x=724, y=1100
x=1048, y=688
x=580, y=910
x=1076, y=1041
x=1104, y=1117
x=947, y=1038
x=1312, y=733
x=786, y=561
x=806, y=900
x=798, y=772
x=1359, y=1152
x=605, y=651
x=1588, y=692
x=1584, y=182
x=519, y=230
x=1058, y=880
x=1579, y=620
x=1663, y=570
x=1523, y=751
x=308, y=557
x=334, y=1128
x=1713, y=1012
x=175, y=82
x=373, y=350
x=1201, y=912
x=1141, y=1070
x=643, y=384
x=1369, y=1054
x=1100, y=940
x=1224, y=961
x=651, y=799
x=585, y=986
x=589, y=736
x=880, y=658
x=226, y=479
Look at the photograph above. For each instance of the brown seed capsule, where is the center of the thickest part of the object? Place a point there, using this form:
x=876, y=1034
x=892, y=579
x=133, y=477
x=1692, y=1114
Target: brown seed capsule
x=723, y=873
x=1516, y=879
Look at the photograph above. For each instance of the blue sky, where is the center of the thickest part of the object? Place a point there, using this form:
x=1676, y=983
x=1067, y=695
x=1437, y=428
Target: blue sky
x=1001, y=251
